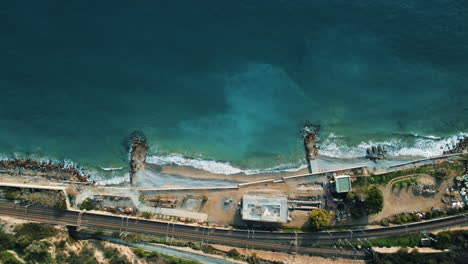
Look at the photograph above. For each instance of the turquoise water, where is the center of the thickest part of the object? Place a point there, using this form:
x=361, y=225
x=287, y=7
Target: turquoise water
x=231, y=81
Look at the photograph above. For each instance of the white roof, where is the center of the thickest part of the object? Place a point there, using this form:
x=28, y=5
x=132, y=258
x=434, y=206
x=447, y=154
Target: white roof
x=265, y=209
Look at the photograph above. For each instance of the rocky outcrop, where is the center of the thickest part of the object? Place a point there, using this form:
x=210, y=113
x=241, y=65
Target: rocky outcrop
x=51, y=171
x=376, y=152
x=310, y=134
x=460, y=147
x=138, y=151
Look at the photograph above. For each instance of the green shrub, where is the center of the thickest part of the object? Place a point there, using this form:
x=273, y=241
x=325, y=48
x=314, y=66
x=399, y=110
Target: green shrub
x=147, y=215
x=12, y=194
x=374, y=201
x=87, y=204
x=233, y=253
x=139, y=252
x=208, y=249
x=118, y=259
x=38, y=251
x=319, y=218
x=8, y=258
x=7, y=241
x=35, y=231
x=86, y=256
x=384, y=222
x=109, y=252
x=253, y=259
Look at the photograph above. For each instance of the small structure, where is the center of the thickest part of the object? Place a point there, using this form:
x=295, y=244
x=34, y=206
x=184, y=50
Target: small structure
x=342, y=184
x=264, y=209
x=425, y=242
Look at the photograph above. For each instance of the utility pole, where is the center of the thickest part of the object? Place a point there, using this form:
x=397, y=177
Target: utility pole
x=173, y=226
x=78, y=220
x=126, y=228
x=26, y=211
x=167, y=231
x=295, y=242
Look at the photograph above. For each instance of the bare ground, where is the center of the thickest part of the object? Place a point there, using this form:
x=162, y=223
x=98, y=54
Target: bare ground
x=399, y=200
x=223, y=214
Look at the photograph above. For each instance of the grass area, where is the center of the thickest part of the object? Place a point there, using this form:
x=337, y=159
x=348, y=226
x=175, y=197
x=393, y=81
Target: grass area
x=405, y=182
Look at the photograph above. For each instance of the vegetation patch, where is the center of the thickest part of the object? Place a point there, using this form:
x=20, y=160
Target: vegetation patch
x=440, y=171
x=8, y=258
x=455, y=241
x=319, y=219
x=48, y=198
x=87, y=204
x=404, y=218
x=156, y=257
x=362, y=202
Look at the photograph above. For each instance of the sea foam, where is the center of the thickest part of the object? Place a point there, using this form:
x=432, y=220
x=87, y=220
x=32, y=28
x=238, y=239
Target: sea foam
x=331, y=146
x=420, y=146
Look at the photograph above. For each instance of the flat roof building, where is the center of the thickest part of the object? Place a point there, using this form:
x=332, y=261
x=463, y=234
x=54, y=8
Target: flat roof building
x=265, y=209
x=342, y=184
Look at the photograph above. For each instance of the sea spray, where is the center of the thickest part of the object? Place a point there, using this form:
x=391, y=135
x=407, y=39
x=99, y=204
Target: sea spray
x=332, y=146
x=417, y=146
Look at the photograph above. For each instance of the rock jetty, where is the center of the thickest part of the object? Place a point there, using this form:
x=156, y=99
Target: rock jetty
x=138, y=152
x=310, y=141
x=376, y=152
x=310, y=134
x=49, y=170
x=460, y=147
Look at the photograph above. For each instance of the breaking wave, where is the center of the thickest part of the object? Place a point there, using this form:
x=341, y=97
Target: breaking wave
x=332, y=146
x=416, y=146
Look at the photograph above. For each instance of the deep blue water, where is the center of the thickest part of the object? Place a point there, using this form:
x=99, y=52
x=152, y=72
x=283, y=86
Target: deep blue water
x=229, y=80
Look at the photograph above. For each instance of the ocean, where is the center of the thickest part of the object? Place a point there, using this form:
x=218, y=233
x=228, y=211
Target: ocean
x=226, y=86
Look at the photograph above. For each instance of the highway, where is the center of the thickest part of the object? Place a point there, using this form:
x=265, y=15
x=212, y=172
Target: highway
x=278, y=241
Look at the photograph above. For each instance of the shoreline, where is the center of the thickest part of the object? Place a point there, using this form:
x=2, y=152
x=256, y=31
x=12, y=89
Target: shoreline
x=324, y=164
x=171, y=171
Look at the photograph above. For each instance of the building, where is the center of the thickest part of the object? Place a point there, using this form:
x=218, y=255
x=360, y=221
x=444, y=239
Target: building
x=342, y=184
x=264, y=209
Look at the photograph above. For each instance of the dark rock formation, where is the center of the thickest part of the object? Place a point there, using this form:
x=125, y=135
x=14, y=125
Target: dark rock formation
x=376, y=152
x=138, y=151
x=460, y=147
x=311, y=140
x=51, y=171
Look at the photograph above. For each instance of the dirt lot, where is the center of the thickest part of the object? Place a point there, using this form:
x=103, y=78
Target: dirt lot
x=398, y=200
x=222, y=205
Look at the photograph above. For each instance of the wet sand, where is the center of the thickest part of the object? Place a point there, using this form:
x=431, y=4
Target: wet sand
x=190, y=172
x=323, y=164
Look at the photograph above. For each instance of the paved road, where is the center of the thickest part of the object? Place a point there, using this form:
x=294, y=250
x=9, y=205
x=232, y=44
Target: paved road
x=244, y=238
